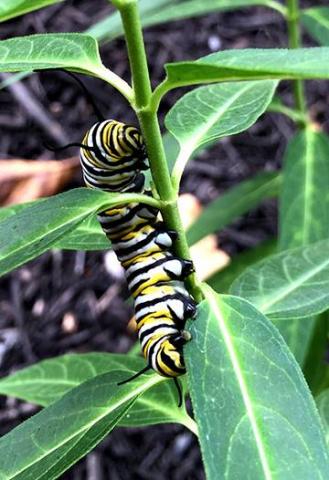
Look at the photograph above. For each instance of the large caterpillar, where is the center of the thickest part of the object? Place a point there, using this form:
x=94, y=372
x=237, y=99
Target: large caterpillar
x=112, y=156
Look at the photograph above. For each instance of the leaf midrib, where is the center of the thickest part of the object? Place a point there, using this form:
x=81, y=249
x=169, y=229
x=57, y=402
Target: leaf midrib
x=242, y=384
x=309, y=170
x=205, y=127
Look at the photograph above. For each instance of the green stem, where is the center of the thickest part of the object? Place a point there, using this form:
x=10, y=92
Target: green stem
x=136, y=51
x=157, y=157
x=161, y=176
x=293, y=14
x=295, y=115
x=191, y=424
x=151, y=131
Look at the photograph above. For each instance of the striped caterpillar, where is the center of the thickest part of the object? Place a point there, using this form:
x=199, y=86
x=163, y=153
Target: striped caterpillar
x=112, y=156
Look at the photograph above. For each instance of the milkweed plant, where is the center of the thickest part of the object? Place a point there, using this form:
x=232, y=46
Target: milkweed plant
x=256, y=370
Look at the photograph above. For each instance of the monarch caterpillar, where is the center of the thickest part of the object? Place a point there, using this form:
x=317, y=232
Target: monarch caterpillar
x=112, y=156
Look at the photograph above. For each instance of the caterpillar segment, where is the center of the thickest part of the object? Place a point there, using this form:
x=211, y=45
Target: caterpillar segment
x=172, y=300
x=113, y=157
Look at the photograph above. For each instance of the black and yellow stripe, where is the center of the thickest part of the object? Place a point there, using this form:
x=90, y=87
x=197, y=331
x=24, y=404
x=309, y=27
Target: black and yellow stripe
x=112, y=160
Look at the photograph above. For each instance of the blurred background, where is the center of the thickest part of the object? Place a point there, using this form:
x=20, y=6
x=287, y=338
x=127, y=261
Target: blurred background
x=68, y=301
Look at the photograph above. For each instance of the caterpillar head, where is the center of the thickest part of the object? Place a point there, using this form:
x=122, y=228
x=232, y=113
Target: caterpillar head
x=167, y=357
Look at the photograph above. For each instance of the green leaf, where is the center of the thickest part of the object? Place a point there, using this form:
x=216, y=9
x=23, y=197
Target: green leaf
x=111, y=27
x=233, y=203
x=87, y=236
x=222, y=280
x=73, y=51
x=249, y=64
x=316, y=367
x=303, y=214
x=171, y=147
x=208, y=113
x=47, y=444
x=15, y=8
x=162, y=11
x=322, y=402
x=38, y=227
x=47, y=381
x=177, y=10
x=304, y=208
x=316, y=22
x=290, y=284
x=255, y=415
x=6, y=212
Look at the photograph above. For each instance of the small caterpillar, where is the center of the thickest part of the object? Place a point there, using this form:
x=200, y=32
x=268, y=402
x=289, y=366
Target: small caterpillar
x=113, y=156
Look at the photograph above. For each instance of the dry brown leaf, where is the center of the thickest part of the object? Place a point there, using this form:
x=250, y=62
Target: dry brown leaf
x=26, y=180
x=132, y=325
x=190, y=209
x=208, y=258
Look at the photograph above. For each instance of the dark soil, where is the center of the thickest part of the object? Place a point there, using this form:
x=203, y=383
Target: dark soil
x=37, y=300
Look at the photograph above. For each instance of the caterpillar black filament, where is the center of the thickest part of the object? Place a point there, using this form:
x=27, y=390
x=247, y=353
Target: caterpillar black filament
x=112, y=157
